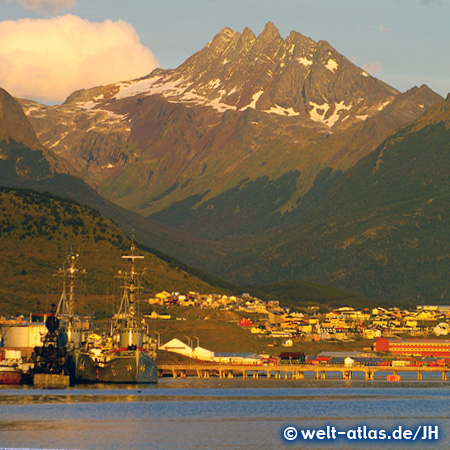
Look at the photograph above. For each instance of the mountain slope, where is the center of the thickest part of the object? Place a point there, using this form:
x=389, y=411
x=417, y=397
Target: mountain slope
x=246, y=118
x=25, y=163
x=382, y=231
x=13, y=122
x=16, y=128
x=38, y=231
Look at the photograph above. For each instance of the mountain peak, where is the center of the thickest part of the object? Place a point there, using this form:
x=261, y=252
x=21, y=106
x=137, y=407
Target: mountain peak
x=248, y=34
x=420, y=95
x=13, y=122
x=270, y=32
x=297, y=38
x=227, y=31
x=221, y=40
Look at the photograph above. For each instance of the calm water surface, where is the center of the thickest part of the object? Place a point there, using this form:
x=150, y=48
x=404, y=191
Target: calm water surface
x=225, y=414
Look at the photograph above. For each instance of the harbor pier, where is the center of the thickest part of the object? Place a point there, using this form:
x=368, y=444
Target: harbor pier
x=292, y=371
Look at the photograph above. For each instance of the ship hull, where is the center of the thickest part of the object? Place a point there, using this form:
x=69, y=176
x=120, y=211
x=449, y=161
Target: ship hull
x=85, y=369
x=133, y=366
x=10, y=376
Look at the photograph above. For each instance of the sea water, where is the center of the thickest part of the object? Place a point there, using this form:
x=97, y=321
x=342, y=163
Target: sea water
x=224, y=414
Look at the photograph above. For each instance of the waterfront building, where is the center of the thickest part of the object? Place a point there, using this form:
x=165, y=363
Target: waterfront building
x=177, y=346
x=415, y=347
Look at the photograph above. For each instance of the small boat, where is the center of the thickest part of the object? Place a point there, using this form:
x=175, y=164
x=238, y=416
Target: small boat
x=13, y=368
x=393, y=378
x=10, y=374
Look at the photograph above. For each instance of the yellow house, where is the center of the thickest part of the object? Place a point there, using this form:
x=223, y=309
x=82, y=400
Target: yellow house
x=425, y=315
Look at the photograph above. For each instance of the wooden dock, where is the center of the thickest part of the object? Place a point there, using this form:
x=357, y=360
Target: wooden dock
x=290, y=371
x=51, y=380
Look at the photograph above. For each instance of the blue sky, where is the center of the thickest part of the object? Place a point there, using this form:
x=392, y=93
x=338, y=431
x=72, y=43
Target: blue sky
x=402, y=42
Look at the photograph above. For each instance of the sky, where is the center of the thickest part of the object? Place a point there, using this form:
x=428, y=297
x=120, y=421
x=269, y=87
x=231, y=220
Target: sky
x=49, y=48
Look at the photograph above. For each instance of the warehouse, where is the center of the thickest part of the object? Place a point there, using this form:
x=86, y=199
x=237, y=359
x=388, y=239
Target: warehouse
x=415, y=347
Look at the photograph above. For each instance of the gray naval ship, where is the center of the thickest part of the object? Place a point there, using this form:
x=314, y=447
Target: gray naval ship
x=58, y=361
x=128, y=358
x=76, y=334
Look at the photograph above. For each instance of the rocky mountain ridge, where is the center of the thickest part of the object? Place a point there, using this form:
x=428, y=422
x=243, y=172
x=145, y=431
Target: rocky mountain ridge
x=236, y=71
x=246, y=136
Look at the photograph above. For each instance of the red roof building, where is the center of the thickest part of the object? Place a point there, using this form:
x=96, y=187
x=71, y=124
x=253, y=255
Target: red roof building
x=244, y=322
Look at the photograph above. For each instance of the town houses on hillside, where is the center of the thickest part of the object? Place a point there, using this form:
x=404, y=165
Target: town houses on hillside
x=244, y=303
x=344, y=323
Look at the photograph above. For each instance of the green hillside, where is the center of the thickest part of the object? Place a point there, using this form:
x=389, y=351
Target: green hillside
x=302, y=294
x=23, y=167
x=382, y=231
x=38, y=230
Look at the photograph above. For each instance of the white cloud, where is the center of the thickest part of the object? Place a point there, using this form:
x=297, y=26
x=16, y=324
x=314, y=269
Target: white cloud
x=47, y=6
x=373, y=67
x=47, y=59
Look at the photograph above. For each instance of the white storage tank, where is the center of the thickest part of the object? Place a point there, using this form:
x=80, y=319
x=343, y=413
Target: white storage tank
x=25, y=335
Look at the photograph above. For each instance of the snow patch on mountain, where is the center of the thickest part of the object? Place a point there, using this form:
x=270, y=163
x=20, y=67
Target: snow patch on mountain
x=149, y=86
x=317, y=113
x=332, y=65
x=214, y=83
x=380, y=108
x=277, y=109
x=305, y=61
x=63, y=136
x=255, y=98
x=338, y=108
x=93, y=106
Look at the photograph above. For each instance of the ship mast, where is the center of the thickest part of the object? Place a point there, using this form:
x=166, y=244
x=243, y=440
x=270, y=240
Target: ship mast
x=128, y=303
x=127, y=330
x=66, y=306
